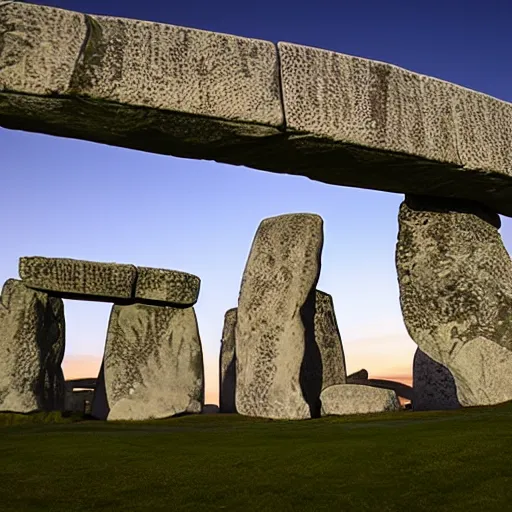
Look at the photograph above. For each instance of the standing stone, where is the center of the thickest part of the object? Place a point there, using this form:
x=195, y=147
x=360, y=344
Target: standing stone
x=153, y=362
x=433, y=385
x=227, y=364
x=328, y=339
x=357, y=399
x=100, y=408
x=455, y=280
x=32, y=338
x=275, y=320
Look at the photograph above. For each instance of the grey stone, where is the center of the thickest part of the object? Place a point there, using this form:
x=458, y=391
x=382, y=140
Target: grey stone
x=359, y=375
x=32, y=339
x=455, y=279
x=399, y=388
x=276, y=352
x=76, y=400
x=328, y=339
x=71, y=278
x=357, y=399
x=349, y=121
x=166, y=286
x=433, y=385
x=153, y=363
x=227, y=364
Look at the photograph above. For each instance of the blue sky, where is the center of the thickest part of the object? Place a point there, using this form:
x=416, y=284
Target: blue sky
x=69, y=198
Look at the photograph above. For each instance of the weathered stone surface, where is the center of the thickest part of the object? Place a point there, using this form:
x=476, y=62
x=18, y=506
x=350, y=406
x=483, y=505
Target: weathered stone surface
x=39, y=48
x=76, y=400
x=100, y=407
x=455, y=280
x=349, y=121
x=32, y=338
x=277, y=356
x=69, y=278
x=348, y=100
x=355, y=399
x=153, y=362
x=433, y=385
x=401, y=389
x=359, y=375
x=227, y=364
x=167, y=286
x=328, y=339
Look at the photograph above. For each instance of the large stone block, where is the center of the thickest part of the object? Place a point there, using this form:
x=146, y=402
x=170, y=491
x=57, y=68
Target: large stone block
x=401, y=389
x=455, y=279
x=359, y=375
x=71, y=278
x=357, y=399
x=153, y=363
x=433, y=385
x=39, y=48
x=328, y=340
x=275, y=320
x=192, y=93
x=429, y=134
x=166, y=286
x=227, y=364
x=32, y=338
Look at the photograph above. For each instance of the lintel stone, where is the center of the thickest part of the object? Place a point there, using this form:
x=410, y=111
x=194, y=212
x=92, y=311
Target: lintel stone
x=191, y=93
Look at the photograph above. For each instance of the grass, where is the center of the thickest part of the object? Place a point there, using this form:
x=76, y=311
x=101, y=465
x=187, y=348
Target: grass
x=403, y=461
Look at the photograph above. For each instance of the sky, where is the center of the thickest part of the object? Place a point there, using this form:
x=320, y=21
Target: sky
x=76, y=199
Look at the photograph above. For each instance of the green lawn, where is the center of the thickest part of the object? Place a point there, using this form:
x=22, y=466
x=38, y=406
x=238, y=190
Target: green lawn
x=404, y=461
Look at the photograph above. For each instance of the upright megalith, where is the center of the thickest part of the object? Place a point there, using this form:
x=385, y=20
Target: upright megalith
x=32, y=338
x=227, y=364
x=275, y=320
x=433, y=385
x=359, y=375
x=153, y=363
x=328, y=340
x=455, y=279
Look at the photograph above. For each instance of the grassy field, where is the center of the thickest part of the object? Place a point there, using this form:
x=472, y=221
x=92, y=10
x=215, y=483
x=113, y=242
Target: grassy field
x=404, y=461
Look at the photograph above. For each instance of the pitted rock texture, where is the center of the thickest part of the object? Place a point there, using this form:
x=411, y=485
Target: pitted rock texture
x=227, y=364
x=328, y=339
x=32, y=339
x=401, y=389
x=39, y=48
x=349, y=121
x=69, y=277
x=153, y=362
x=359, y=375
x=205, y=73
x=433, y=385
x=355, y=399
x=378, y=105
x=167, y=286
x=277, y=356
x=455, y=279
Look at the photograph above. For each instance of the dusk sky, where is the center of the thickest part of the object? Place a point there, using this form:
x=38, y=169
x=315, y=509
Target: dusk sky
x=76, y=199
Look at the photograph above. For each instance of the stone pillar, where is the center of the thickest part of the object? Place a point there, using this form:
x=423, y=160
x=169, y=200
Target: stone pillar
x=32, y=339
x=227, y=364
x=275, y=320
x=455, y=279
x=153, y=363
x=433, y=385
x=328, y=339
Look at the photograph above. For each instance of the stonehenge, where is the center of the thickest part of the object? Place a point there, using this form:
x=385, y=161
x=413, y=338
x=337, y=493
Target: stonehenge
x=153, y=361
x=455, y=280
x=282, y=108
